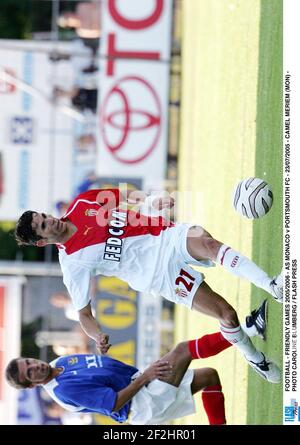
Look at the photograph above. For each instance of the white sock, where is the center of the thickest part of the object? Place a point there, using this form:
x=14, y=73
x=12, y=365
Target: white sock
x=251, y=331
x=242, y=267
x=240, y=339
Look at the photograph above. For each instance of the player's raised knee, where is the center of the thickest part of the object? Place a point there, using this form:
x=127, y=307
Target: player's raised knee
x=229, y=317
x=212, y=376
x=211, y=246
x=181, y=348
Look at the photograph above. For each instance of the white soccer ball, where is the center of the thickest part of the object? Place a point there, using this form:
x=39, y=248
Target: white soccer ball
x=252, y=198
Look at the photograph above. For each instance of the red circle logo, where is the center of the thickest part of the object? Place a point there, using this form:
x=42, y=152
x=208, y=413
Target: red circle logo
x=130, y=119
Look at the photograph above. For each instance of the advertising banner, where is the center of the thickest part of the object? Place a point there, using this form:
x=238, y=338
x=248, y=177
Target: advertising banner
x=36, y=130
x=134, y=88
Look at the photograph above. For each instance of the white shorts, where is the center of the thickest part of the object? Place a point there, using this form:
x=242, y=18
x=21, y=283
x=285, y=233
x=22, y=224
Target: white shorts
x=181, y=281
x=160, y=402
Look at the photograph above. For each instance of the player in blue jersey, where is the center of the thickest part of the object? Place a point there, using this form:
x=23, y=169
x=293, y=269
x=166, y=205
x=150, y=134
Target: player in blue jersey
x=164, y=391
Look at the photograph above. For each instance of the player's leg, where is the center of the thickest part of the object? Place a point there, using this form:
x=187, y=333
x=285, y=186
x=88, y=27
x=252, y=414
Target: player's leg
x=207, y=380
x=210, y=303
x=208, y=345
x=181, y=282
x=201, y=245
x=181, y=356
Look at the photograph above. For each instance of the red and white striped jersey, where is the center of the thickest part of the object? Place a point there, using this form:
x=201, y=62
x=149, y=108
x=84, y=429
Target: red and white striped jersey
x=112, y=242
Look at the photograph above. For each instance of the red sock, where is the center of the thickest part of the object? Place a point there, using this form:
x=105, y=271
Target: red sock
x=208, y=345
x=213, y=402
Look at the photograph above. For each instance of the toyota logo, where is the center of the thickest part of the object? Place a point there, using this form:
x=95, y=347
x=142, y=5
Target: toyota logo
x=130, y=119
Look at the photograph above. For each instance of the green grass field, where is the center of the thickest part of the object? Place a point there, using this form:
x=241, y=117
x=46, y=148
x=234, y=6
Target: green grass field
x=265, y=400
x=231, y=129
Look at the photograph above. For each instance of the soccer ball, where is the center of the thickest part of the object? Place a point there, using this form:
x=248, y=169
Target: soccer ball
x=252, y=198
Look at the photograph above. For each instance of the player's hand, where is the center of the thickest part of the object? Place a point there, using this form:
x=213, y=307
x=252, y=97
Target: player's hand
x=158, y=370
x=102, y=344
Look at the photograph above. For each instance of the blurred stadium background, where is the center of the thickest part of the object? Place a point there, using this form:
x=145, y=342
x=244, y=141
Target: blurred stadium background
x=212, y=88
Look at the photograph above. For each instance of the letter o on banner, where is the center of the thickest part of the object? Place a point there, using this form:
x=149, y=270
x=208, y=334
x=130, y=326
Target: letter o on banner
x=135, y=24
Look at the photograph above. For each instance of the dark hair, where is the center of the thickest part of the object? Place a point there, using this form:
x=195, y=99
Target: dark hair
x=12, y=375
x=24, y=233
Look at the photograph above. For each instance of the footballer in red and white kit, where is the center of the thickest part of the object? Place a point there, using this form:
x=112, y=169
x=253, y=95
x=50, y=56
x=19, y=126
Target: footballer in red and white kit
x=96, y=236
x=149, y=253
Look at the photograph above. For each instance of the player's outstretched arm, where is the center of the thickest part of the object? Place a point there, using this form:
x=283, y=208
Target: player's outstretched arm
x=159, y=369
x=92, y=329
